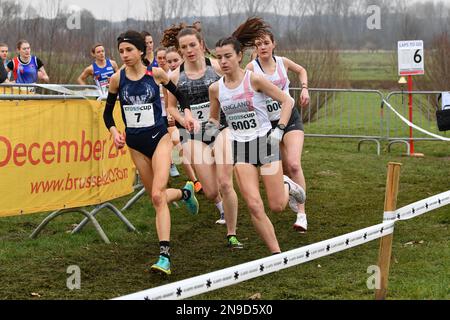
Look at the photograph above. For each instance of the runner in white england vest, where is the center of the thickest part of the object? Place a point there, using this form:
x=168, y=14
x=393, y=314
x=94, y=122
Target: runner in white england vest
x=276, y=69
x=241, y=95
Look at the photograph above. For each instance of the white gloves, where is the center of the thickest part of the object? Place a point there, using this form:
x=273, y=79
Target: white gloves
x=275, y=137
x=211, y=129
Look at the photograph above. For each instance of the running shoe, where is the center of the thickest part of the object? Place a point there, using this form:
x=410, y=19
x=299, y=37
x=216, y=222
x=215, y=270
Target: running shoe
x=162, y=266
x=191, y=203
x=221, y=221
x=301, y=225
x=234, y=243
x=296, y=193
x=174, y=171
x=198, y=187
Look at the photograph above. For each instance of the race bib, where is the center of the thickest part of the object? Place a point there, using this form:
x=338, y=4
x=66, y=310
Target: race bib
x=244, y=123
x=140, y=115
x=201, y=112
x=103, y=86
x=273, y=109
x=103, y=83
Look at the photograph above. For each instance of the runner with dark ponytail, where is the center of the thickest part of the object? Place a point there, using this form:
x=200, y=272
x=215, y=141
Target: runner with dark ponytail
x=245, y=35
x=241, y=96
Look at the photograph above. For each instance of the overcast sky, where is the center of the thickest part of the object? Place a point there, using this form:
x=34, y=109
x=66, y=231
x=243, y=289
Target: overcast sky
x=116, y=10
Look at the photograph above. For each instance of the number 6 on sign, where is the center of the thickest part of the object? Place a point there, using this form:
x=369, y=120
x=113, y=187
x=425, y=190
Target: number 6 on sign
x=417, y=57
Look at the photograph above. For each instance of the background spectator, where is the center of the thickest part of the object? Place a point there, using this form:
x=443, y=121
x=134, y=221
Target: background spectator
x=26, y=68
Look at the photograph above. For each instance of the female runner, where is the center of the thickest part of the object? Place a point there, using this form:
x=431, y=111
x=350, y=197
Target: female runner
x=241, y=96
x=146, y=134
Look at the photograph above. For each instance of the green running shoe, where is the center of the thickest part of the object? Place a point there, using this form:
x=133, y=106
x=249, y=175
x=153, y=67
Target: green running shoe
x=192, y=202
x=234, y=243
x=162, y=266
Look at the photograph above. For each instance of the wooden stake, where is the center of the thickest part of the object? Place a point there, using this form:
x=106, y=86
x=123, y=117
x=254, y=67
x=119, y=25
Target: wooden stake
x=390, y=205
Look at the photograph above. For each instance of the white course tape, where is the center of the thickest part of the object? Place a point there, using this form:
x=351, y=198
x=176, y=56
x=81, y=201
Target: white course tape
x=63, y=90
x=389, y=215
x=419, y=208
x=234, y=275
x=410, y=124
x=56, y=88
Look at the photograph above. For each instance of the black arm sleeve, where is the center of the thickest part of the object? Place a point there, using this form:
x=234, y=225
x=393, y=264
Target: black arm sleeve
x=40, y=64
x=184, y=103
x=3, y=73
x=108, y=114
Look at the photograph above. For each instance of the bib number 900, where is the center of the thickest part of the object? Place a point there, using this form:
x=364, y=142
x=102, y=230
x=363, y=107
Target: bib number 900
x=273, y=106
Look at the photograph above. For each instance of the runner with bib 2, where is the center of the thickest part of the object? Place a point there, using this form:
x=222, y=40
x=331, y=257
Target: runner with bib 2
x=193, y=78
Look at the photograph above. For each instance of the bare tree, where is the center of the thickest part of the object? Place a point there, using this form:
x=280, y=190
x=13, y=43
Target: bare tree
x=296, y=19
x=409, y=27
x=199, y=8
x=276, y=6
x=254, y=7
x=179, y=8
x=219, y=9
x=231, y=9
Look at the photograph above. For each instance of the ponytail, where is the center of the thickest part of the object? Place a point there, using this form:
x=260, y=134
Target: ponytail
x=172, y=35
x=245, y=35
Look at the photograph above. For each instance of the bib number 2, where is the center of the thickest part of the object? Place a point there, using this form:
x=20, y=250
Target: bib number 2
x=201, y=112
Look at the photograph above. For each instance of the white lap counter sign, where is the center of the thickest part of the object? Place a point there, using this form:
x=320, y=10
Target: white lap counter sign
x=411, y=58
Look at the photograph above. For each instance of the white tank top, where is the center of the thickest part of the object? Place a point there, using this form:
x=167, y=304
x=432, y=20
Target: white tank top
x=245, y=110
x=280, y=79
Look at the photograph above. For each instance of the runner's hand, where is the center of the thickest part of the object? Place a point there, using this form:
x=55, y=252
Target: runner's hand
x=211, y=129
x=304, y=98
x=191, y=124
x=119, y=140
x=275, y=137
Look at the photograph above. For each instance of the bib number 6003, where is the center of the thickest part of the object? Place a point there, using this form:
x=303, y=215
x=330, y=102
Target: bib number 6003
x=245, y=125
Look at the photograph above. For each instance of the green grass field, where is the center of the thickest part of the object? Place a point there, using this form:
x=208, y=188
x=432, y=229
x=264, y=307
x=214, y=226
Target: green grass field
x=346, y=193
x=370, y=66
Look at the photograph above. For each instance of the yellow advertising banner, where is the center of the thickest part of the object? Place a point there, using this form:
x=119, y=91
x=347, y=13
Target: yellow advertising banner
x=59, y=155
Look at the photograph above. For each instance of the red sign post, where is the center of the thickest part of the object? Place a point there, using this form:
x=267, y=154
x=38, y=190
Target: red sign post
x=411, y=62
x=410, y=89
